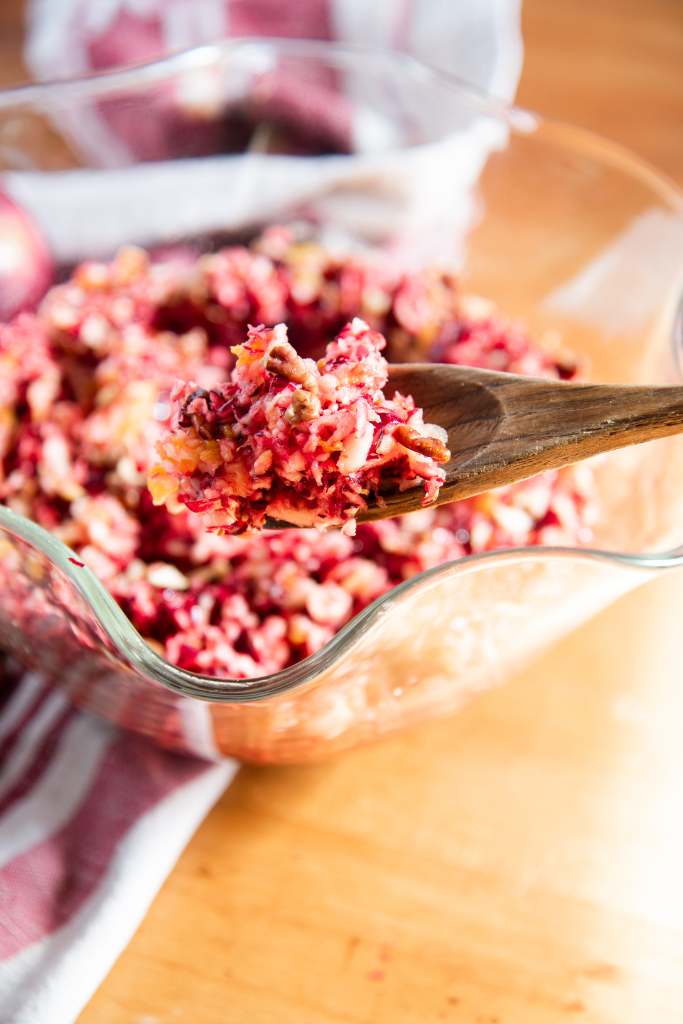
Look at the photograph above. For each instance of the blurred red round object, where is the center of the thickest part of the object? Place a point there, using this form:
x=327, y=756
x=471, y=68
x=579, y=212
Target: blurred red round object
x=25, y=264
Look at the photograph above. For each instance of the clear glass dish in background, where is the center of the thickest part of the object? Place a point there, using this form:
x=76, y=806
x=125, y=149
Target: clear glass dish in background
x=561, y=229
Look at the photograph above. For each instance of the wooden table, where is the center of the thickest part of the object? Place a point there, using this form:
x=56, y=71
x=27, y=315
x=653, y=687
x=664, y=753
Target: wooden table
x=519, y=863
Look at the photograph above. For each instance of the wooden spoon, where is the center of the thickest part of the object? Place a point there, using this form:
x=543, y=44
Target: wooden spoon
x=503, y=428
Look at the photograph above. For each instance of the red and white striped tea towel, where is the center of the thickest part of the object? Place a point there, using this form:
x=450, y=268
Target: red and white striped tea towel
x=92, y=819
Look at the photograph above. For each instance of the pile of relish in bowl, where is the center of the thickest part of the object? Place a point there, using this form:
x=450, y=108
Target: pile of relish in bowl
x=86, y=384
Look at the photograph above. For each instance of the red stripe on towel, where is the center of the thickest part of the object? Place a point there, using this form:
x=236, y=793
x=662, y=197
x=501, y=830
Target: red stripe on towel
x=305, y=19
x=44, y=887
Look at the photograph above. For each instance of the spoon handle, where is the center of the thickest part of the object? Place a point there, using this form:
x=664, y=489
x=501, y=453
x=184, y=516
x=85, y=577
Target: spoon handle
x=547, y=425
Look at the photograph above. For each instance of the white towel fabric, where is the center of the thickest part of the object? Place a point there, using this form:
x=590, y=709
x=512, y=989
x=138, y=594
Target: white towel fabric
x=92, y=819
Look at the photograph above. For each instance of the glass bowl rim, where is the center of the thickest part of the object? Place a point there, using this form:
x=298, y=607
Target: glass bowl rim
x=134, y=650
x=520, y=119
x=125, y=639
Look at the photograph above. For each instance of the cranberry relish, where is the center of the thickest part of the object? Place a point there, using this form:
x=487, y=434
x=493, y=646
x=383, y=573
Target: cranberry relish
x=295, y=440
x=83, y=386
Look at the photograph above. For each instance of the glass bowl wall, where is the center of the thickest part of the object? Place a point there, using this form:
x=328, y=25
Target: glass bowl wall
x=375, y=152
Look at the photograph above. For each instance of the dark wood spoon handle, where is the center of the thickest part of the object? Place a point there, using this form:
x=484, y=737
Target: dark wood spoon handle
x=546, y=425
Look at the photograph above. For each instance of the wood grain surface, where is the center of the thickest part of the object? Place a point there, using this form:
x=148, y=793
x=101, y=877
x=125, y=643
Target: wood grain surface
x=503, y=428
x=517, y=864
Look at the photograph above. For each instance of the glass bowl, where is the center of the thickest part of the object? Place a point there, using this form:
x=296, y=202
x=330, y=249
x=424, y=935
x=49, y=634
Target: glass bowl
x=565, y=231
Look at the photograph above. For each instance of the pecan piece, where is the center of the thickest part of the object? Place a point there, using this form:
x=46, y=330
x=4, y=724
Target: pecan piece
x=431, y=447
x=284, y=361
x=187, y=419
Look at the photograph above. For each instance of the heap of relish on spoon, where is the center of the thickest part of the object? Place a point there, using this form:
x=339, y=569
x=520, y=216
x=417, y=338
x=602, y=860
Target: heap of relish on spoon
x=290, y=441
x=295, y=441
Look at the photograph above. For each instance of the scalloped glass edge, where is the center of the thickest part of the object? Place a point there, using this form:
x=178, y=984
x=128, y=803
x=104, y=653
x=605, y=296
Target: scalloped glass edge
x=123, y=636
x=134, y=649
x=51, y=93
